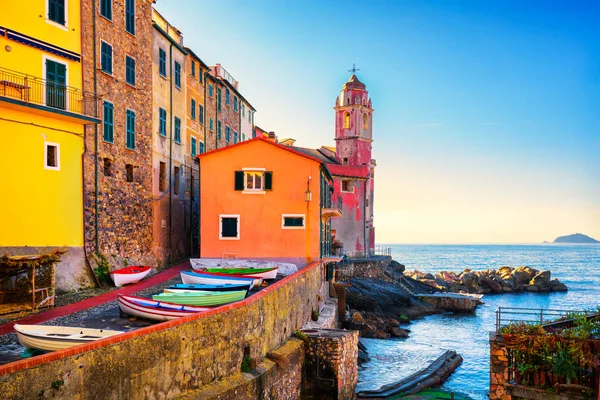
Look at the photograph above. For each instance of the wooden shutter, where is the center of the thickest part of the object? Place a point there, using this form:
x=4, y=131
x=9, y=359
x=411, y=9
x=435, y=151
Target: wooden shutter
x=239, y=180
x=268, y=180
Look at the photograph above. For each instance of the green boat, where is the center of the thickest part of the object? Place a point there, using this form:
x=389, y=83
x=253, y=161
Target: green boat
x=201, y=299
x=265, y=273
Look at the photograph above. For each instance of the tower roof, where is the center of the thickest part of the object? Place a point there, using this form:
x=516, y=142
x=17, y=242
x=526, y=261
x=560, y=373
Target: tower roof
x=354, y=83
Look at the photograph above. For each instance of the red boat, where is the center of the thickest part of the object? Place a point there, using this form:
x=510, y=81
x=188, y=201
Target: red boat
x=132, y=274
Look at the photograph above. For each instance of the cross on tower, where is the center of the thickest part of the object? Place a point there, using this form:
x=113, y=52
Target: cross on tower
x=354, y=69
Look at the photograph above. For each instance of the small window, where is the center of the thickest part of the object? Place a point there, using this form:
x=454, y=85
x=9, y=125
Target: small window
x=210, y=124
x=201, y=114
x=243, y=110
x=229, y=227
x=107, y=166
x=162, y=122
x=347, y=186
x=292, y=221
x=106, y=57
x=210, y=90
x=249, y=116
x=108, y=119
x=162, y=185
x=227, y=96
x=130, y=139
x=347, y=120
x=227, y=134
x=129, y=172
x=56, y=11
x=235, y=137
x=243, y=137
x=176, y=173
x=367, y=202
x=130, y=16
x=219, y=130
x=345, y=161
x=193, y=146
x=193, y=109
x=52, y=156
x=193, y=68
x=177, y=135
x=106, y=9
x=235, y=104
x=177, y=74
x=200, y=72
x=201, y=147
x=130, y=70
x=365, y=121
x=162, y=62
x=250, y=180
x=219, y=99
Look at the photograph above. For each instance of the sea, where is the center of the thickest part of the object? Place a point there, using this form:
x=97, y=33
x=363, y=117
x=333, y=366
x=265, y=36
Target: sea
x=576, y=265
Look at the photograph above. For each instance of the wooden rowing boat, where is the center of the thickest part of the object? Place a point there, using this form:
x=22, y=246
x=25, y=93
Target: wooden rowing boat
x=207, y=278
x=203, y=298
x=265, y=273
x=129, y=275
x=156, y=310
x=212, y=288
x=52, y=338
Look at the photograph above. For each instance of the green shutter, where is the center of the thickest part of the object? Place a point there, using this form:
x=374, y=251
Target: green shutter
x=268, y=180
x=239, y=180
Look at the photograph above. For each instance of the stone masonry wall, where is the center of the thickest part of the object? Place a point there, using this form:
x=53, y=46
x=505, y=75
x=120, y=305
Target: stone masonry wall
x=364, y=269
x=498, y=369
x=331, y=368
x=124, y=208
x=168, y=360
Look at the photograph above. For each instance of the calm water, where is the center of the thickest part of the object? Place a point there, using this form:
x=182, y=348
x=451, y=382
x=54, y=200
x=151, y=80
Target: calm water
x=578, y=266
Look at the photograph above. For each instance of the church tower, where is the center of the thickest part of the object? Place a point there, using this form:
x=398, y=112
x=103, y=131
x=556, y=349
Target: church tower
x=353, y=124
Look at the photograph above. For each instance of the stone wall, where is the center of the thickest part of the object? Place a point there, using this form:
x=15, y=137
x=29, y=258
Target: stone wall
x=330, y=369
x=498, y=368
x=168, y=360
x=364, y=269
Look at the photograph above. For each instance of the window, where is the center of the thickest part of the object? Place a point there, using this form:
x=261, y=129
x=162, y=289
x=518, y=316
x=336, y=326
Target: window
x=253, y=180
x=162, y=122
x=219, y=130
x=177, y=136
x=177, y=74
x=130, y=16
x=227, y=134
x=130, y=70
x=56, y=81
x=193, y=152
x=235, y=104
x=345, y=161
x=129, y=172
x=162, y=177
x=201, y=147
x=56, y=11
x=235, y=137
x=367, y=202
x=106, y=9
x=210, y=123
x=365, y=121
x=201, y=114
x=107, y=166
x=292, y=221
x=130, y=140
x=108, y=120
x=229, y=226
x=193, y=109
x=227, y=96
x=106, y=57
x=243, y=137
x=200, y=72
x=193, y=68
x=347, y=186
x=243, y=110
x=52, y=156
x=219, y=99
x=347, y=120
x=210, y=90
x=177, y=177
x=249, y=116
x=162, y=62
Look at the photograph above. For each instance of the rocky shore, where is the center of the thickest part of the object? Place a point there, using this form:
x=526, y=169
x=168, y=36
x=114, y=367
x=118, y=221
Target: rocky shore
x=490, y=281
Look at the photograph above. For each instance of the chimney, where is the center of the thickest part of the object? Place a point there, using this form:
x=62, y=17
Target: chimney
x=272, y=137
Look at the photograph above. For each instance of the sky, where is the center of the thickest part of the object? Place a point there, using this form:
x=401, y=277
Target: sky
x=487, y=113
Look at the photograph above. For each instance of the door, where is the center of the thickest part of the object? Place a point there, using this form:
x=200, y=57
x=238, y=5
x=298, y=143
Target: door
x=56, y=80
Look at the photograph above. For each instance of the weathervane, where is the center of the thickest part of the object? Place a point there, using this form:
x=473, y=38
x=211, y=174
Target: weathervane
x=354, y=69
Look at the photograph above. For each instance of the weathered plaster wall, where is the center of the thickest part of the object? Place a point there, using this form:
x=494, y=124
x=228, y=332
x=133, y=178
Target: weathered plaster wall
x=350, y=226
x=169, y=359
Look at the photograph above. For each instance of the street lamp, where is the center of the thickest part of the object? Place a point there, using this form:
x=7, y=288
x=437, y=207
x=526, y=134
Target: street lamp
x=308, y=193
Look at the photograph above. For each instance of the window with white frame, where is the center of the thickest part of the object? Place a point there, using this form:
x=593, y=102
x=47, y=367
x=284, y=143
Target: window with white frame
x=229, y=226
x=52, y=156
x=292, y=221
x=347, y=186
x=253, y=180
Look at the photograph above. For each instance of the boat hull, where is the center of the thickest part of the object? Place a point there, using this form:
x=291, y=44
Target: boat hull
x=129, y=275
x=204, y=299
x=210, y=279
x=268, y=273
x=156, y=310
x=211, y=288
x=52, y=338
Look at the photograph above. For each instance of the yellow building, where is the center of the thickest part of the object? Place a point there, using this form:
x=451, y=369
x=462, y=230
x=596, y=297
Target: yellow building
x=42, y=116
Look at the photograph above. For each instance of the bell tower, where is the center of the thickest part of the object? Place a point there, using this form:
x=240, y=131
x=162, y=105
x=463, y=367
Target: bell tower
x=353, y=124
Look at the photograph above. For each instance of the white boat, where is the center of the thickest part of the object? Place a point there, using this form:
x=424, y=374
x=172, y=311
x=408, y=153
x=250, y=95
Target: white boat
x=188, y=278
x=156, y=310
x=124, y=276
x=52, y=338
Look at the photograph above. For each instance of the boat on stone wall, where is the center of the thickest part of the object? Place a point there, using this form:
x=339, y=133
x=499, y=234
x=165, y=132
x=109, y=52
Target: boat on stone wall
x=207, y=278
x=212, y=288
x=52, y=338
x=128, y=275
x=203, y=298
x=156, y=310
x=265, y=273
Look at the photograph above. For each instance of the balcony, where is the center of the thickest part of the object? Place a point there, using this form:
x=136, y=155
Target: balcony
x=333, y=210
x=36, y=95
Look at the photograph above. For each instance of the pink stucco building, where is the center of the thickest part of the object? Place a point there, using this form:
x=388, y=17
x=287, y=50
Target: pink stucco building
x=352, y=167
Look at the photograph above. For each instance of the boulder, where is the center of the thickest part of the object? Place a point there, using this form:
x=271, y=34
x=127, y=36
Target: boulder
x=507, y=289
x=357, y=317
x=558, y=286
x=533, y=289
x=379, y=334
x=505, y=272
x=524, y=274
x=399, y=332
x=429, y=276
x=541, y=280
x=396, y=266
x=392, y=322
x=469, y=279
x=494, y=286
x=441, y=282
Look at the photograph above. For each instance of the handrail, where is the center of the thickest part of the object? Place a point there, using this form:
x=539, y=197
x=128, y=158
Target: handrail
x=542, y=316
x=35, y=90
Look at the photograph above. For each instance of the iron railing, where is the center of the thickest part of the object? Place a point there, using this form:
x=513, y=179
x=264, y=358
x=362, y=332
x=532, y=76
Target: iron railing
x=35, y=90
x=541, y=316
x=376, y=252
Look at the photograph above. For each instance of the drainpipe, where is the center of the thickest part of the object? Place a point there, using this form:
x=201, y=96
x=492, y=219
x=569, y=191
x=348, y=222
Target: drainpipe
x=200, y=210
x=95, y=133
x=170, y=148
x=204, y=110
x=365, y=214
x=218, y=98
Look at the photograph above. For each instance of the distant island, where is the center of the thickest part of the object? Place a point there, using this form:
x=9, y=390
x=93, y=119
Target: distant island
x=575, y=238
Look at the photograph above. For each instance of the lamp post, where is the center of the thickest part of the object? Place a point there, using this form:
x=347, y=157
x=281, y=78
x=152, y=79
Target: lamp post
x=308, y=193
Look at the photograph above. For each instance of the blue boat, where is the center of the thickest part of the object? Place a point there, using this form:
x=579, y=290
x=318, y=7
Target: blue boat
x=212, y=288
x=195, y=278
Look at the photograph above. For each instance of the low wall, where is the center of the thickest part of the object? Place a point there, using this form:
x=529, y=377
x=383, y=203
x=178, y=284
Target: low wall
x=373, y=268
x=169, y=359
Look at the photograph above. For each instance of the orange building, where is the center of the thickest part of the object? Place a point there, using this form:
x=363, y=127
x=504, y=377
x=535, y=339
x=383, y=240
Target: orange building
x=260, y=199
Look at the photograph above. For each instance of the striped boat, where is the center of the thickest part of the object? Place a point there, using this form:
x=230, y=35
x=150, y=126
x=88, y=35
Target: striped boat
x=265, y=273
x=202, y=299
x=212, y=288
x=52, y=338
x=207, y=278
x=156, y=310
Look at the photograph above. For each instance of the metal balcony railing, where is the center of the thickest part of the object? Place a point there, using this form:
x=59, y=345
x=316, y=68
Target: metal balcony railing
x=376, y=252
x=540, y=316
x=35, y=90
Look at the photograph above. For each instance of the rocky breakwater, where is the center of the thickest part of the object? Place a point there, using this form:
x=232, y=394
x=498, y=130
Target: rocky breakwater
x=490, y=281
